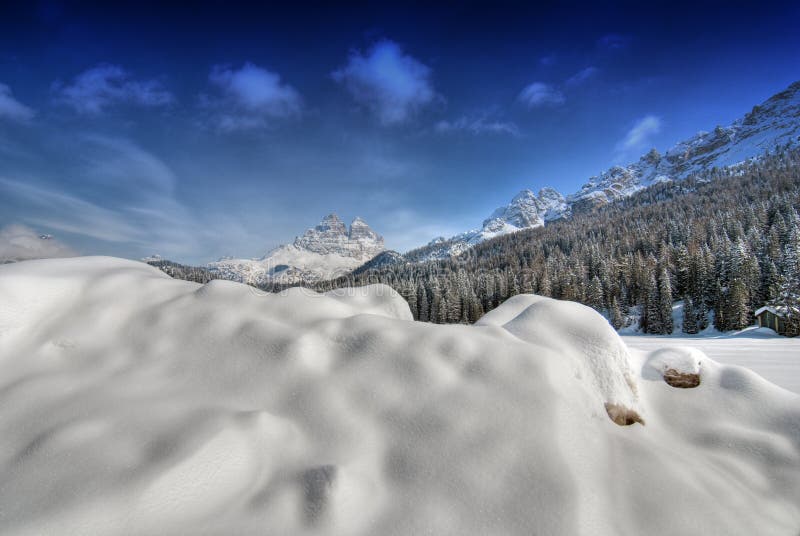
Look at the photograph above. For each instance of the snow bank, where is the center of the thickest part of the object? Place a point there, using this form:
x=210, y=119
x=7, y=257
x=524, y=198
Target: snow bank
x=577, y=332
x=131, y=403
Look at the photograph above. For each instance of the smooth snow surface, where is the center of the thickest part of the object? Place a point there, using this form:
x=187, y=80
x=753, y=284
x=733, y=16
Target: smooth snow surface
x=774, y=357
x=132, y=403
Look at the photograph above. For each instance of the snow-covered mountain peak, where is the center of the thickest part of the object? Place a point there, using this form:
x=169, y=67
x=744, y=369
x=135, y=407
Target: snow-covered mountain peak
x=331, y=236
x=524, y=196
x=326, y=250
x=331, y=224
x=360, y=230
x=523, y=211
x=554, y=204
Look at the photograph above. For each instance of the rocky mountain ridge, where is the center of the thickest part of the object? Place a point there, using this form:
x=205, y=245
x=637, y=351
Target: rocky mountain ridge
x=327, y=250
x=768, y=126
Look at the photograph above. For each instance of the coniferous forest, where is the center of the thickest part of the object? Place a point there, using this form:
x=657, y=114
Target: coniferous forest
x=726, y=242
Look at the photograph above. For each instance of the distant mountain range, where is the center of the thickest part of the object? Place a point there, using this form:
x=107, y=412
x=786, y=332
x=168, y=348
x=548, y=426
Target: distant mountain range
x=330, y=249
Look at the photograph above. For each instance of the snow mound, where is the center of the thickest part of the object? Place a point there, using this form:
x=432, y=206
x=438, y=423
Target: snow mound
x=132, y=403
x=375, y=299
x=580, y=333
x=678, y=365
x=682, y=359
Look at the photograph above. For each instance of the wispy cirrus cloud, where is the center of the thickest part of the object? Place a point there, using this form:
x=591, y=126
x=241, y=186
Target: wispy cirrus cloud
x=116, y=192
x=390, y=83
x=121, y=163
x=250, y=97
x=11, y=108
x=582, y=76
x=69, y=213
x=539, y=94
x=94, y=90
x=476, y=125
x=638, y=136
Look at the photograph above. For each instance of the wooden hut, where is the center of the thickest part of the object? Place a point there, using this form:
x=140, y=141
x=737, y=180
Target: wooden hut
x=775, y=318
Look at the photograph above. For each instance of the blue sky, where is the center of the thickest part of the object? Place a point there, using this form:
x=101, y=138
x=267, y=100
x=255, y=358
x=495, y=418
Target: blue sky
x=226, y=130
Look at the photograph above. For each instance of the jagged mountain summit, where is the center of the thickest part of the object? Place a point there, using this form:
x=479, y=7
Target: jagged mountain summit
x=526, y=210
x=322, y=252
x=773, y=124
x=331, y=237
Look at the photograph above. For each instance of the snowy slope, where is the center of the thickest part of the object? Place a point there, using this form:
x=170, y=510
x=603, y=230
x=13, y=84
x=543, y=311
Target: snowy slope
x=132, y=403
x=772, y=124
x=322, y=252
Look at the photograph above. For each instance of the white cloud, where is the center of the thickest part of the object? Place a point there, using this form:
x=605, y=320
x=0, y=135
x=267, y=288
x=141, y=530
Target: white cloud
x=582, y=76
x=122, y=163
x=19, y=243
x=539, y=94
x=250, y=96
x=639, y=134
x=477, y=125
x=11, y=108
x=388, y=82
x=95, y=89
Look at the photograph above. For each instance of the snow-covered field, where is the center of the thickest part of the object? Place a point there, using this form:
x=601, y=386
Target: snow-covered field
x=132, y=403
x=774, y=357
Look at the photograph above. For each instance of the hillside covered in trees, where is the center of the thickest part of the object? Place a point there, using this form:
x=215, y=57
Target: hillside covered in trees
x=725, y=241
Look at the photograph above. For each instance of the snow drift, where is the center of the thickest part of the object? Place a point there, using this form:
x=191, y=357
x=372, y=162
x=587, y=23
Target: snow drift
x=131, y=403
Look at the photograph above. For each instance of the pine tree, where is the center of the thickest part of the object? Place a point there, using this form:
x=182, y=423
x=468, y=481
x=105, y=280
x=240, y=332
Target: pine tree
x=788, y=299
x=690, y=323
x=594, y=294
x=422, y=302
x=665, y=301
x=738, y=306
x=616, y=318
x=651, y=313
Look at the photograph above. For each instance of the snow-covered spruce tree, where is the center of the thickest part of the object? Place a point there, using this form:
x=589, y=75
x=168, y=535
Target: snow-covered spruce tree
x=650, y=320
x=423, y=302
x=690, y=324
x=615, y=314
x=788, y=299
x=738, y=309
x=594, y=294
x=770, y=281
x=665, y=301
